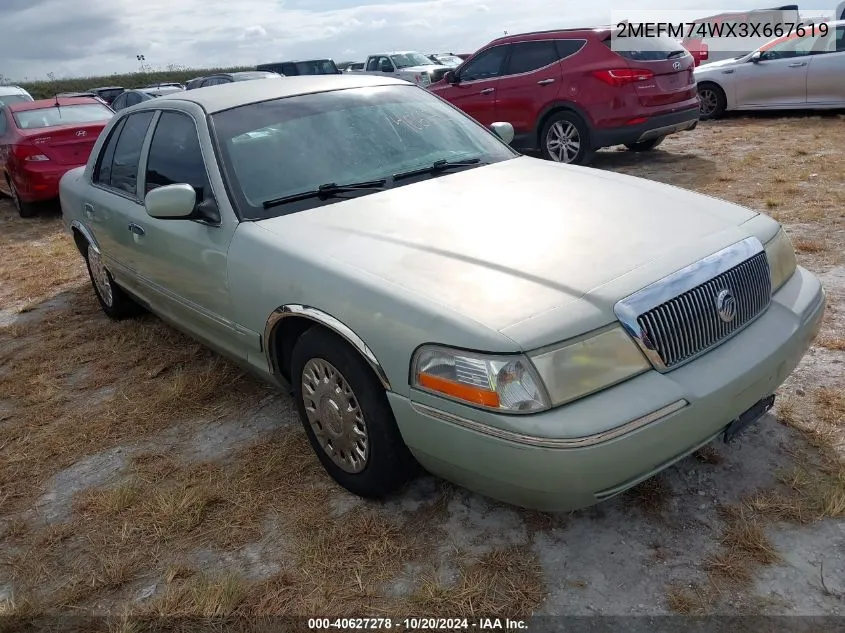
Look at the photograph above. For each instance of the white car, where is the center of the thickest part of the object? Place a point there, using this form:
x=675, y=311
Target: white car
x=13, y=94
x=795, y=72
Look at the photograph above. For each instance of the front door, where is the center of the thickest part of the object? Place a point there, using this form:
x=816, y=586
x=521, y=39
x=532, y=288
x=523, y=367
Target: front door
x=475, y=90
x=779, y=78
x=826, y=73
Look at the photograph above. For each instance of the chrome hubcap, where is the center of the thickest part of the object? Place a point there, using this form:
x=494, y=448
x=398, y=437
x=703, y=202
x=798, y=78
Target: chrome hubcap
x=708, y=101
x=100, y=276
x=563, y=142
x=334, y=415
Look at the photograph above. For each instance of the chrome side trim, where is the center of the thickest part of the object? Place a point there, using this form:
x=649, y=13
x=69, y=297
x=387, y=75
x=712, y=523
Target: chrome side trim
x=545, y=442
x=318, y=316
x=76, y=224
x=631, y=307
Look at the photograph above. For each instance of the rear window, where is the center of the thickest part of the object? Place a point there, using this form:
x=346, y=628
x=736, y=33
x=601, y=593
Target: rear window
x=8, y=99
x=62, y=115
x=645, y=49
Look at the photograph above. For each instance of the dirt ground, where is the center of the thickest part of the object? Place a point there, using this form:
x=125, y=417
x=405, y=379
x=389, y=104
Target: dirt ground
x=141, y=474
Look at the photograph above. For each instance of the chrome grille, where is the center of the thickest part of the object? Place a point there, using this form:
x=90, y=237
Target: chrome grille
x=690, y=323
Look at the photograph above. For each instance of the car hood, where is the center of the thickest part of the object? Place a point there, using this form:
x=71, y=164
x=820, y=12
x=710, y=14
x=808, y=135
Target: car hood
x=535, y=250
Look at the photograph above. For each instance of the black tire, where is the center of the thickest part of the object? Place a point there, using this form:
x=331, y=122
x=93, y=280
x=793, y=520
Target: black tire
x=567, y=121
x=388, y=464
x=712, y=101
x=118, y=305
x=25, y=209
x=645, y=146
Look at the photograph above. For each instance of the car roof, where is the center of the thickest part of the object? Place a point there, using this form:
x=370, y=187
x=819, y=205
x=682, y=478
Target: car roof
x=585, y=31
x=49, y=103
x=224, y=97
x=12, y=90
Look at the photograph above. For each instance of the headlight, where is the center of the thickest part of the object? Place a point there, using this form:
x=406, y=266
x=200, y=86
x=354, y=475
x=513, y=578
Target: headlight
x=781, y=256
x=502, y=383
x=589, y=365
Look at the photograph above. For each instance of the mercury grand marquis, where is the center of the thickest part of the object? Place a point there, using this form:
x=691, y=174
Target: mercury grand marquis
x=544, y=334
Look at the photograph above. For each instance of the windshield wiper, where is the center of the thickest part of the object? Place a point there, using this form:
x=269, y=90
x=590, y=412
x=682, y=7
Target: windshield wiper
x=437, y=167
x=328, y=190
x=680, y=53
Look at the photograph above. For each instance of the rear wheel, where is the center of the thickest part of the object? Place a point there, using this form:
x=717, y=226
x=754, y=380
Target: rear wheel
x=347, y=417
x=645, y=146
x=565, y=139
x=113, y=300
x=25, y=209
x=712, y=101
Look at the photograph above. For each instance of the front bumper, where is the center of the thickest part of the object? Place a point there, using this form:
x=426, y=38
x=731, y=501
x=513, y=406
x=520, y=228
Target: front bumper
x=661, y=125
x=531, y=461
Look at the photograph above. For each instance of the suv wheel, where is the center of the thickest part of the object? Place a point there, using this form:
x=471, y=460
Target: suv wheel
x=565, y=139
x=712, y=101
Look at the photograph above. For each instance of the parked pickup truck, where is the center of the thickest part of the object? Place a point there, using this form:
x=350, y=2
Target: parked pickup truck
x=408, y=65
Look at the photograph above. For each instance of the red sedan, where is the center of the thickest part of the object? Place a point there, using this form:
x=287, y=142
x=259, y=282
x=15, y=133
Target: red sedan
x=41, y=140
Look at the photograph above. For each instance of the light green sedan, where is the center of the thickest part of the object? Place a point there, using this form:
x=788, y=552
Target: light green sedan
x=544, y=334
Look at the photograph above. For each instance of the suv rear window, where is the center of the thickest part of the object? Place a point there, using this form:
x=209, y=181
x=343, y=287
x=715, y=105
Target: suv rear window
x=7, y=99
x=645, y=49
x=63, y=115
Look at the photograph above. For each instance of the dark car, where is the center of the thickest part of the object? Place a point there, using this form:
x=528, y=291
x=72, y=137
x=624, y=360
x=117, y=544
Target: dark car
x=303, y=67
x=132, y=97
x=164, y=84
x=572, y=91
x=227, y=78
x=193, y=83
x=108, y=93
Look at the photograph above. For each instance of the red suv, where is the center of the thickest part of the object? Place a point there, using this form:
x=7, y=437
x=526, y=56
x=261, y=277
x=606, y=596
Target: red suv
x=567, y=93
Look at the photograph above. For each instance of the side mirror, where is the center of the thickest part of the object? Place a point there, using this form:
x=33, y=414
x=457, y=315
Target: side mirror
x=451, y=77
x=756, y=57
x=171, y=202
x=503, y=130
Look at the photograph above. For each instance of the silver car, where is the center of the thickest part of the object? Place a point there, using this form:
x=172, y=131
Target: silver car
x=545, y=334
x=795, y=72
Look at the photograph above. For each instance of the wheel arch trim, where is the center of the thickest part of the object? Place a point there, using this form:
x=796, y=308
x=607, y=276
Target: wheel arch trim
x=326, y=320
x=76, y=225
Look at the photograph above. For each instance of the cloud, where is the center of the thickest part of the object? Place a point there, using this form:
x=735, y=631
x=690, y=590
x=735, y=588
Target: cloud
x=104, y=36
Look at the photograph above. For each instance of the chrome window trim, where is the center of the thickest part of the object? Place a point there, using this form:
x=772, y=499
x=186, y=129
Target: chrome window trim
x=548, y=442
x=628, y=310
x=318, y=316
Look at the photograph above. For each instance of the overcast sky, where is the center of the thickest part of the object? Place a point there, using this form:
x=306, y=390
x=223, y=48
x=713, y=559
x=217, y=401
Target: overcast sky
x=99, y=37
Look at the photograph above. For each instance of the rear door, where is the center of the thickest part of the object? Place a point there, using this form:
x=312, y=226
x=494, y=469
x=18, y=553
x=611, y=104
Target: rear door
x=667, y=70
x=826, y=70
x=478, y=79
x=115, y=199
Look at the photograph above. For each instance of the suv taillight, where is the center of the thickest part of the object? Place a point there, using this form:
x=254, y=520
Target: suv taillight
x=621, y=76
x=28, y=153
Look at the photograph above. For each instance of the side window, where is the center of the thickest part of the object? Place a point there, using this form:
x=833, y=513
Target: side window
x=119, y=103
x=102, y=171
x=529, y=56
x=132, y=99
x=486, y=66
x=833, y=42
x=175, y=155
x=567, y=48
x=372, y=63
x=792, y=47
x=3, y=124
x=289, y=70
x=127, y=152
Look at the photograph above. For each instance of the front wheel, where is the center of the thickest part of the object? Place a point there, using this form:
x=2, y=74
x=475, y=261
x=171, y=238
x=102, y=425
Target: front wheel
x=566, y=139
x=347, y=417
x=645, y=146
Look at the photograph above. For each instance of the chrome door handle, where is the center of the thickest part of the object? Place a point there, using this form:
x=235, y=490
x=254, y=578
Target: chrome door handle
x=486, y=91
x=797, y=64
x=88, y=208
x=545, y=82
x=136, y=229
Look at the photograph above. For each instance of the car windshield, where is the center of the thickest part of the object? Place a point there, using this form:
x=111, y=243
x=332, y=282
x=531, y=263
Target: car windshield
x=406, y=60
x=9, y=99
x=62, y=115
x=285, y=147
x=450, y=60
